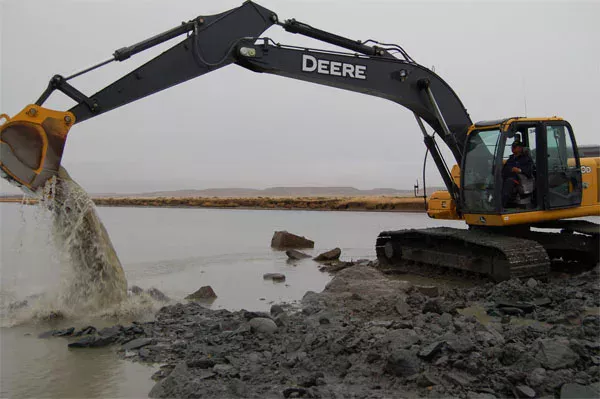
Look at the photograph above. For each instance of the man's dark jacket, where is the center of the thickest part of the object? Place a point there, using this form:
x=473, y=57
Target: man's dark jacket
x=523, y=162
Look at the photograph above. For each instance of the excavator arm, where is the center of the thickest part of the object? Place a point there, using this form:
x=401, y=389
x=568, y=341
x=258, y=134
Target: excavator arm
x=32, y=142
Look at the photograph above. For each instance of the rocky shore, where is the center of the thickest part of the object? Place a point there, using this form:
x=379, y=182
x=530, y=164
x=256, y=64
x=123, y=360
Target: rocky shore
x=371, y=336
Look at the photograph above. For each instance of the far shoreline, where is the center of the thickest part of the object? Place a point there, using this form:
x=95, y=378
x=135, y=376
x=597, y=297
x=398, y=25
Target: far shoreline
x=343, y=204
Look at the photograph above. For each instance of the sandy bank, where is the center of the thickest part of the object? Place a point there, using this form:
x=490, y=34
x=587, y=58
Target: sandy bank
x=380, y=203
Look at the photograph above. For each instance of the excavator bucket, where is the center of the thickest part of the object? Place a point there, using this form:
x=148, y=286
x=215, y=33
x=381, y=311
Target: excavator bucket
x=31, y=145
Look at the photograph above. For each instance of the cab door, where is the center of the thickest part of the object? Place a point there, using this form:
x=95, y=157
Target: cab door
x=563, y=188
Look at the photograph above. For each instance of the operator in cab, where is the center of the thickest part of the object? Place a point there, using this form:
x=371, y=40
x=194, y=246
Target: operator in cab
x=518, y=163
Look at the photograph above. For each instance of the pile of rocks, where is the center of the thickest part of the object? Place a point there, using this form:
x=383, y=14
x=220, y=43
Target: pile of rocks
x=367, y=335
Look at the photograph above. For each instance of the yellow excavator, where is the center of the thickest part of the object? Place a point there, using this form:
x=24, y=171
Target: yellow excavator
x=507, y=236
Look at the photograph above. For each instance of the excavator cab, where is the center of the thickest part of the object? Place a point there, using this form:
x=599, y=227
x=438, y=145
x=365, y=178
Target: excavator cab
x=553, y=181
x=31, y=145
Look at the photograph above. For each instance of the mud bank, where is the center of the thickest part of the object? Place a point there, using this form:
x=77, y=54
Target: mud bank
x=369, y=336
x=400, y=204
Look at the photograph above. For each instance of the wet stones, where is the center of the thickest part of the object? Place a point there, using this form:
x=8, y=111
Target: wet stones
x=205, y=292
x=276, y=277
x=333, y=254
x=137, y=343
x=296, y=255
x=157, y=295
x=284, y=240
x=93, y=341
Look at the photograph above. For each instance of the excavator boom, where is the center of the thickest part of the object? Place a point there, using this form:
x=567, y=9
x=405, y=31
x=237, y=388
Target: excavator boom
x=232, y=37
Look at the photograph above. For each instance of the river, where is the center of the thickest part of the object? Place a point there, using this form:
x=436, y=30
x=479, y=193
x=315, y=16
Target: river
x=176, y=251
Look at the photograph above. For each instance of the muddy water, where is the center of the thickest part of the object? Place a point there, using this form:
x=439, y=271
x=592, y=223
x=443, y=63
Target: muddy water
x=175, y=250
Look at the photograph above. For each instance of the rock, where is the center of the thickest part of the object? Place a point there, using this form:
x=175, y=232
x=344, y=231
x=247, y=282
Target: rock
x=458, y=379
x=542, y=301
x=276, y=309
x=428, y=352
x=296, y=255
x=512, y=311
x=445, y=320
x=285, y=240
x=136, y=343
x=157, y=295
x=297, y=392
x=329, y=255
x=274, y=276
x=433, y=306
x=238, y=388
x=111, y=332
x=263, y=325
x=428, y=290
x=577, y=391
x=426, y=380
x=523, y=391
x=135, y=290
x=205, y=292
x=86, y=331
x=536, y=377
x=93, y=342
x=64, y=333
x=225, y=370
x=401, y=338
x=178, y=384
x=460, y=344
x=402, y=363
x=532, y=283
x=402, y=307
x=480, y=395
x=310, y=380
x=201, y=363
x=554, y=354
x=524, y=306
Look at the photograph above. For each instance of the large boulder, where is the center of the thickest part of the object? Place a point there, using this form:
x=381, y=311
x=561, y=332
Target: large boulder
x=263, y=325
x=554, y=354
x=334, y=254
x=284, y=240
x=205, y=292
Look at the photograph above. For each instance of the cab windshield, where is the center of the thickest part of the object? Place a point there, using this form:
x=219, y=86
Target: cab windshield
x=478, y=173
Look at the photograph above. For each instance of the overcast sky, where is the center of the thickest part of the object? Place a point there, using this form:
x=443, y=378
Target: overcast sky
x=236, y=128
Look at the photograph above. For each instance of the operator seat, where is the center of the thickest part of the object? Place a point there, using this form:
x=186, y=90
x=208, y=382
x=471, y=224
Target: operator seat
x=525, y=190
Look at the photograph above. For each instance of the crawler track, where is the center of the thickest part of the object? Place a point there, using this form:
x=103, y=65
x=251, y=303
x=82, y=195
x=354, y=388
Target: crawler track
x=499, y=256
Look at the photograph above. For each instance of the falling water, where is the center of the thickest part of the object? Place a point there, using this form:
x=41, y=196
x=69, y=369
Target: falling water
x=95, y=278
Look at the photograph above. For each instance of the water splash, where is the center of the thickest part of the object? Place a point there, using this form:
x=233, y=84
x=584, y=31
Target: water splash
x=95, y=277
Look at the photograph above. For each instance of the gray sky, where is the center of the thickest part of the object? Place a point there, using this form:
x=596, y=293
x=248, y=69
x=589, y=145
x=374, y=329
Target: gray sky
x=236, y=128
